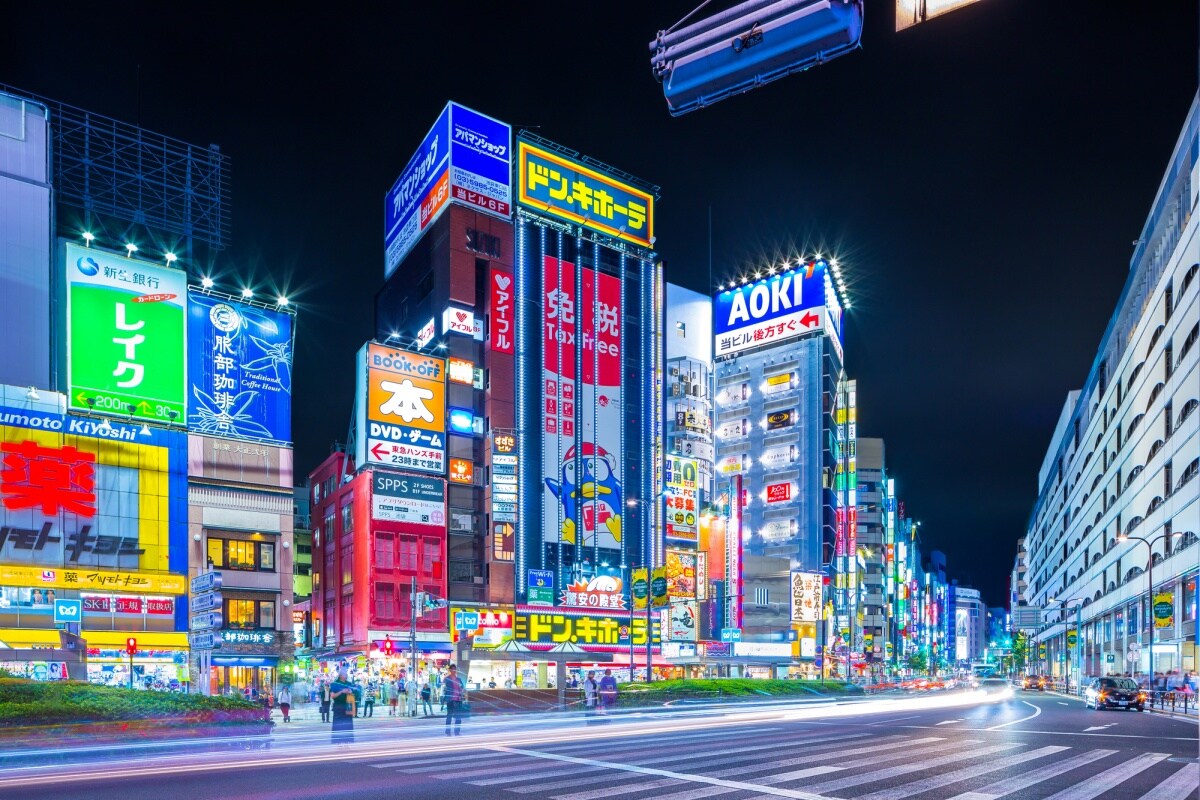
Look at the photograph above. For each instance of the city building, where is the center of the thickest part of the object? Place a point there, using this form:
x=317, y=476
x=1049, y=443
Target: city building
x=1016, y=581
x=970, y=626
x=872, y=547
x=784, y=429
x=1111, y=539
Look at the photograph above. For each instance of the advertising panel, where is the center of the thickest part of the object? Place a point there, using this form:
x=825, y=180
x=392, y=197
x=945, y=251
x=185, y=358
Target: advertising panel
x=239, y=462
x=408, y=498
x=682, y=506
x=682, y=574
x=502, y=312
x=556, y=186
x=505, y=499
x=640, y=586
x=419, y=194
x=583, y=469
x=459, y=371
x=541, y=587
x=239, y=370
x=590, y=631
x=771, y=310
x=458, y=320
x=683, y=621
x=806, y=597
x=466, y=157
x=1164, y=609
x=602, y=591
x=125, y=336
x=462, y=471
x=401, y=409
x=493, y=628
x=778, y=492
x=777, y=420
x=85, y=507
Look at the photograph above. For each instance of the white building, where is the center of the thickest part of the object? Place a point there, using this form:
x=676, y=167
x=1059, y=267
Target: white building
x=1117, y=494
x=970, y=625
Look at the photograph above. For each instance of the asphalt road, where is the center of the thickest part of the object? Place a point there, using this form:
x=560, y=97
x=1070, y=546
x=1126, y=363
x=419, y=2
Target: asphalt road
x=924, y=747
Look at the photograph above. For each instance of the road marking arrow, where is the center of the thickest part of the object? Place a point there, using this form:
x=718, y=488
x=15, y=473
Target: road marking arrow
x=949, y=722
x=1099, y=727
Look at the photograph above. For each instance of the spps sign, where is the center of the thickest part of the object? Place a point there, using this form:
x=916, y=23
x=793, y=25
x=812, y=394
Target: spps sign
x=770, y=310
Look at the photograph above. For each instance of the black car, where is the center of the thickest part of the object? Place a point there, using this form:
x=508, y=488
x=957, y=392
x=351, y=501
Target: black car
x=1120, y=693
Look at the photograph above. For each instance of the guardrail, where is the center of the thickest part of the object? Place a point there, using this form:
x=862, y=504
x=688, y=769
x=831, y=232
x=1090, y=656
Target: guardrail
x=1176, y=701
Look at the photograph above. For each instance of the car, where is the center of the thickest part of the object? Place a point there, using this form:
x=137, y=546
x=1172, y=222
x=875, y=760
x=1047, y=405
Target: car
x=994, y=689
x=1034, y=683
x=1120, y=693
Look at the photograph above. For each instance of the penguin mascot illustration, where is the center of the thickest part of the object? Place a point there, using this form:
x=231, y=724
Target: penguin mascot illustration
x=596, y=492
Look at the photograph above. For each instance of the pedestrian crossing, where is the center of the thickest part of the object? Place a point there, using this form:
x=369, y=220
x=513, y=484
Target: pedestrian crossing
x=735, y=764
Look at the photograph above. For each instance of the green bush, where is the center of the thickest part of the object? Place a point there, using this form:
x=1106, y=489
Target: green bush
x=719, y=688
x=24, y=702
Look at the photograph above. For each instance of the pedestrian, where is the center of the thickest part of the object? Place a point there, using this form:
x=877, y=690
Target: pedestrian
x=426, y=697
x=388, y=696
x=412, y=692
x=369, y=701
x=591, y=691
x=325, y=701
x=491, y=683
x=285, y=703
x=341, y=692
x=608, y=690
x=454, y=695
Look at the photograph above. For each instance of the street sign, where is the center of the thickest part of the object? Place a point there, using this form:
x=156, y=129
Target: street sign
x=1027, y=618
x=731, y=634
x=1133, y=655
x=206, y=620
x=1109, y=658
x=68, y=610
x=207, y=640
x=466, y=620
x=206, y=582
x=209, y=601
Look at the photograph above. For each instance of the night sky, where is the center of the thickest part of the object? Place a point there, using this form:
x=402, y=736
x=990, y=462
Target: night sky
x=980, y=177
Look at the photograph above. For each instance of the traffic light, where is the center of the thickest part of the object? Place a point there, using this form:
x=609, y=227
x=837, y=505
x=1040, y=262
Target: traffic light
x=131, y=645
x=387, y=646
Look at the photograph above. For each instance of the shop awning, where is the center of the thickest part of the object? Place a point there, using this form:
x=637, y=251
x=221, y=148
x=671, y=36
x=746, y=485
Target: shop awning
x=146, y=640
x=17, y=638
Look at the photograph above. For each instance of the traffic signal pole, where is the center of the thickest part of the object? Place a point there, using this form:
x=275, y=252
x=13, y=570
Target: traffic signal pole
x=412, y=636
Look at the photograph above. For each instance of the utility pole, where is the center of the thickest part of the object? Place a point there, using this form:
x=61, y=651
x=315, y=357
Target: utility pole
x=414, y=597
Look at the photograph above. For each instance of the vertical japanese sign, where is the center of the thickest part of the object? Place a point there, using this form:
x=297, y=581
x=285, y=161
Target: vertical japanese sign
x=806, y=597
x=582, y=418
x=401, y=409
x=125, y=336
x=501, y=307
x=505, y=508
x=239, y=370
x=682, y=517
x=480, y=161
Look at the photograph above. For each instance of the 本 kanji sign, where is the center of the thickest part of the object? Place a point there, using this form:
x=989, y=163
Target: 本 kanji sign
x=125, y=336
x=401, y=409
x=552, y=184
x=239, y=370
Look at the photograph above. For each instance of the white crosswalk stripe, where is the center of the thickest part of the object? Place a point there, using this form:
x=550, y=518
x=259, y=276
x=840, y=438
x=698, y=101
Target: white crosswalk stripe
x=965, y=773
x=1028, y=779
x=908, y=753
x=813, y=754
x=1110, y=778
x=1183, y=785
x=530, y=776
x=610, y=791
x=904, y=769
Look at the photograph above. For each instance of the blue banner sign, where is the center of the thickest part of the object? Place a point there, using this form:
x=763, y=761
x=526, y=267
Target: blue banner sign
x=551, y=184
x=774, y=309
x=466, y=158
x=239, y=370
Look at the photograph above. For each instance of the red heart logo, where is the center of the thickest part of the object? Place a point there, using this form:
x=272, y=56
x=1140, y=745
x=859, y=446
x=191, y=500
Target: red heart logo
x=462, y=316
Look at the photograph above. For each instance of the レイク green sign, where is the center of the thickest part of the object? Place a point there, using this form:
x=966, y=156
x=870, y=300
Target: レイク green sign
x=125, y=336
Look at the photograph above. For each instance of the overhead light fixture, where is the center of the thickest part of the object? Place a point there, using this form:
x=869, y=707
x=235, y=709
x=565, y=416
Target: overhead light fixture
x=145, y=431
x=170, y=258
x=441, y=346
x=247, y=293
x=32, y=394
x=130, y=249
x=88, y=238
x=105, y=426
x=206, y=282
x=282, y=300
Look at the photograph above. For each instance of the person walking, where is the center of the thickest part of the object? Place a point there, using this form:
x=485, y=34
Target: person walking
x=369, y=700
x=285, y=703
x=341, y=692
x=454, y=695
x=591, y=692
x=388, y=695
x=325, y=701
x=608, y=690
x=426, y=698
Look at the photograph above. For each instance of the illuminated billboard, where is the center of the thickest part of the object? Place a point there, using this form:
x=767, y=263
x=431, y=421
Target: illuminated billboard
x=552, y=184
x=582, y=469
x=542, y=629
x=680, y=477
x=239, y=370
x=90, y=507
x=770, y=310
x=914, y=12
x=466, y=158
x=806, y=597
x=125, y=336
x=401, y=409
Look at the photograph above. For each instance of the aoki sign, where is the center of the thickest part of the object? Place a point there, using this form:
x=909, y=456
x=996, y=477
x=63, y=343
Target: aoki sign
x=771, y=310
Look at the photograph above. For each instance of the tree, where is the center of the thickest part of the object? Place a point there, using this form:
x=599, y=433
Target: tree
x=1020, y=651
x=918, y=662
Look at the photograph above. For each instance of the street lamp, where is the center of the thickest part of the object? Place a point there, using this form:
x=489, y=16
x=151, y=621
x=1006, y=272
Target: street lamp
x=1150, y=590
x=634, y=502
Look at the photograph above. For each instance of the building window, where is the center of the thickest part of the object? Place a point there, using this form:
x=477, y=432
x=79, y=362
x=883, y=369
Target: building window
x=240, y=554
x=243, y=614
x=347, y=564
x=408, y=553
x=385, y=601
x=347, y=519
x=266, y=614
x=429, y=554
x=385, y=545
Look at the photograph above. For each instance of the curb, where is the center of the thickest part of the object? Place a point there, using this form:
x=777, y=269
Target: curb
x=1150, y=709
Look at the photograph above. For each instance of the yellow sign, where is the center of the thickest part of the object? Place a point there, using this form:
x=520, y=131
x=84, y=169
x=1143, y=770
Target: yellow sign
x=403, y=422
x=93, y=579
x=586, y=631
x=552, y=184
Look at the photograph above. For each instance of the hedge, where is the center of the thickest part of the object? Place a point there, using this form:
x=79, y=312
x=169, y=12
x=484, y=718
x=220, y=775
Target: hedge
x=633, y=694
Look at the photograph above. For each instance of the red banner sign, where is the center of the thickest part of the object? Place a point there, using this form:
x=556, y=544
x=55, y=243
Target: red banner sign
x=502, y=324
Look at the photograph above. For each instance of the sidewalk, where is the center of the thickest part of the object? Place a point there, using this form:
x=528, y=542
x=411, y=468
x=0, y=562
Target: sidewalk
x=1177, y=713
x=307, y=717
